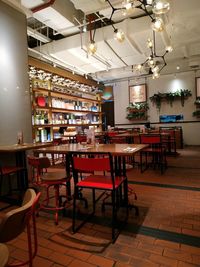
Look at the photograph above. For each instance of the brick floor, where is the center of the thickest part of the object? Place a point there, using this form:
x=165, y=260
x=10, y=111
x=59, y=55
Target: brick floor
x=165, y=234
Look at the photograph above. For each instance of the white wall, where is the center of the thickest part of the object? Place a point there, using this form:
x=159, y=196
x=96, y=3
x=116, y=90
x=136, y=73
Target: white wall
x=15, y=108
x=166, y=83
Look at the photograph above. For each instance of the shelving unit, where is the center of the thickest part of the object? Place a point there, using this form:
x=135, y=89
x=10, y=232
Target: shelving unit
x=54, y=111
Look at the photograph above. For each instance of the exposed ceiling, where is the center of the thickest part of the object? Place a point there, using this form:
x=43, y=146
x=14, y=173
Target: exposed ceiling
x=60, y=23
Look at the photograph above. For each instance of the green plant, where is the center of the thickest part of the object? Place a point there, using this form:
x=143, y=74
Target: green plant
x=196, y=113
x=137, y=111
x=156, y=98
x=197, y=101
x=170, y=97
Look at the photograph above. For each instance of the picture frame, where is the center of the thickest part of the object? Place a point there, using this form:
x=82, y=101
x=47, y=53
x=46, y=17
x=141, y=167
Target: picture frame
x=197, y=87
x=137, y=93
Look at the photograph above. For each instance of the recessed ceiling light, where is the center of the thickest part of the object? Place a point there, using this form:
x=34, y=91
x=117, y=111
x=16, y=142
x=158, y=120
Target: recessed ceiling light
x=178, y=67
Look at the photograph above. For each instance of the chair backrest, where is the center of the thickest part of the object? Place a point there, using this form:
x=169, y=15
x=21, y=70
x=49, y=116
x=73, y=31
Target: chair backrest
x=81, y=138
x=14, y=222
x=117, y=140
x=150, y=139
x=85, y=162
x=38, y=164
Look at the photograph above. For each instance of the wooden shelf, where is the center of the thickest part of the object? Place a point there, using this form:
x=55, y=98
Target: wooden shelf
x=52, y=114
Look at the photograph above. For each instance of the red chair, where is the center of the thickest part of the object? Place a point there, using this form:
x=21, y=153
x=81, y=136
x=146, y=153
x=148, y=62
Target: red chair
x=14, y=222
x=81, y=138
x=103, y=180
x=8, y=172
x=54, y=179
x=156, y=150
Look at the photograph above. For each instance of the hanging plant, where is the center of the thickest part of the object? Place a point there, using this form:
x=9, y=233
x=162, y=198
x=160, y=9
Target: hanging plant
x=170, y=97
x=156, y=98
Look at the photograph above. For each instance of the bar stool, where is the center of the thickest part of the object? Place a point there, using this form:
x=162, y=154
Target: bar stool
x=54, y=179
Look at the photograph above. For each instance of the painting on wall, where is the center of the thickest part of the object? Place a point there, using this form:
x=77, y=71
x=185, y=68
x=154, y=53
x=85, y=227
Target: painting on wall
x=137, y=93
x=198, y=86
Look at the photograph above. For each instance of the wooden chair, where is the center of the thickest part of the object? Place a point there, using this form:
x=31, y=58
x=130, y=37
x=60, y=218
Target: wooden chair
x=86, y=165
x=156, y=151
x=14, y=222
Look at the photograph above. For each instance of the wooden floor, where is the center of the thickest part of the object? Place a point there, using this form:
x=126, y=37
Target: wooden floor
x=166, y=233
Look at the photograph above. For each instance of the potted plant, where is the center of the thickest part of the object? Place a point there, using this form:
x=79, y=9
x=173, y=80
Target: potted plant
x=137, y=111
x=196, y=113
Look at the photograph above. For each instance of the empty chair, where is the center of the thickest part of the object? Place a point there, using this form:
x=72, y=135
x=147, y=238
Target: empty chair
x=96, y=170
x=14, y=222
x=169, y=139
x=9, y=172
x=156, y=151
x=54, y=179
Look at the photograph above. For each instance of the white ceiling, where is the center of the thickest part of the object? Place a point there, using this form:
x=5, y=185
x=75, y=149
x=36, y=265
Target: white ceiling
x=114, y=60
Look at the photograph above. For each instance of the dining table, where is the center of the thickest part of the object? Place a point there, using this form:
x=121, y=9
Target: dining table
x=118, y=151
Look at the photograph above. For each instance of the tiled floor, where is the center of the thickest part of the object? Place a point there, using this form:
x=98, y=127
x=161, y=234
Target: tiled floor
x=167, y=232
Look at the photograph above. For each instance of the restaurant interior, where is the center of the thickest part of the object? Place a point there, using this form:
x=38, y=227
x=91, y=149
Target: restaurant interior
x=99, y=135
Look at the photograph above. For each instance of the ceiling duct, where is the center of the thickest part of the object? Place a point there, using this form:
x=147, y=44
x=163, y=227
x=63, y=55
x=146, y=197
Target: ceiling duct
x=57, y=14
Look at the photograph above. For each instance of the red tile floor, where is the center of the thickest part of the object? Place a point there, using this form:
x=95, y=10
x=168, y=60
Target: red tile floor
x=166, y=233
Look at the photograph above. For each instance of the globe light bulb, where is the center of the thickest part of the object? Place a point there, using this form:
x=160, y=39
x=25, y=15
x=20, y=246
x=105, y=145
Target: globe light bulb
x=169, y=48
x=127, y=7
x=156, y=75
x=119, y=35
x=149, y=43
x=157, y=24
x=151, y=62
x=155, y=69
x=92, y=48
x=160, y=6
x=139, y=67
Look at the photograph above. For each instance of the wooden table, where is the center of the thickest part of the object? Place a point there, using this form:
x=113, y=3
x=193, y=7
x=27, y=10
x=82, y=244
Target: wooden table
x=119, y=151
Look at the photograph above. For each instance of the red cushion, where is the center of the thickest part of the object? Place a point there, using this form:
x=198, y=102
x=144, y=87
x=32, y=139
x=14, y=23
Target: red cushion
x=100, y=182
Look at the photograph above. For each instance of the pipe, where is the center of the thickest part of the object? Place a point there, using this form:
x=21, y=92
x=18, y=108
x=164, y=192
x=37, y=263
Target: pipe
x=42, y=6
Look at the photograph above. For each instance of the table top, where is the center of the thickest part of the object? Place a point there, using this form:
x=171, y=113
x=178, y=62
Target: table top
x=23, y=147
x=114, y=149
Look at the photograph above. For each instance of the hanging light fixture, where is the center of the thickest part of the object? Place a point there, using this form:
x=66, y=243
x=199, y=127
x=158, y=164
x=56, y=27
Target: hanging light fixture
x=92, y=46
x=155, y=63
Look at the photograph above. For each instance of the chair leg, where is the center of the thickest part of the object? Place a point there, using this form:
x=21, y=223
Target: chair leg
x=113, y=216
x=74, y=210
x=93, y=200
x=56, y=189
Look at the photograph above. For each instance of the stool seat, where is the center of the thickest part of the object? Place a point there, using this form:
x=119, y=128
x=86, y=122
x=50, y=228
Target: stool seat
x=53, y=177
x=4, y=254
